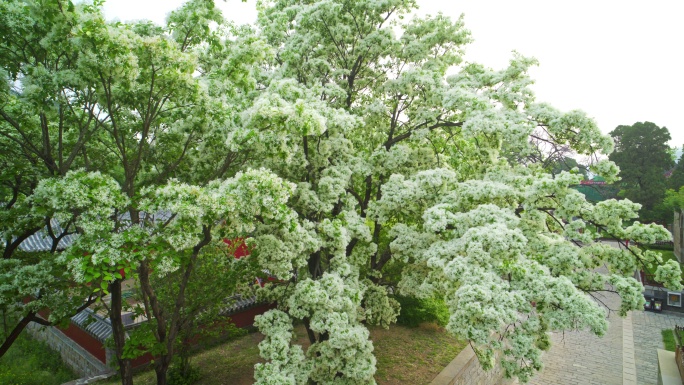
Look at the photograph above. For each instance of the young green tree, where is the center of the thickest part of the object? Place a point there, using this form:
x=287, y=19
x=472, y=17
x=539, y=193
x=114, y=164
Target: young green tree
x=643, y=155
x=94, y=116
x=47, y=114
x=216, y=274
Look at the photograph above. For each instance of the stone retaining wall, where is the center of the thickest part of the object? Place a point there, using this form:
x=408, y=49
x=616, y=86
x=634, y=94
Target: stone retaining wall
x=74, y=356
x=465, y=369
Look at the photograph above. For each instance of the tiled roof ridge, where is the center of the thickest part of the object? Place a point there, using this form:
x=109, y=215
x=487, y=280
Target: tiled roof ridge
x=101, y=328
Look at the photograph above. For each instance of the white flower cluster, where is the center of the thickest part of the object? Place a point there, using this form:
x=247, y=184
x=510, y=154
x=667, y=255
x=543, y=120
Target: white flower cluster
x=330, y=305
x=286, y=363
x=606, y=169
x=670, y=274
x=90, y=198
x=237, y=202
x=500, y=251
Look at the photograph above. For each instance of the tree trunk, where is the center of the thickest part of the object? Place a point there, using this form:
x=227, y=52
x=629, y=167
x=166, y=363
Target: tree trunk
x=310, y=333
x=161, y=368
x=161, y=363
x=119, y=333
x=185, y=366
x=15, y=333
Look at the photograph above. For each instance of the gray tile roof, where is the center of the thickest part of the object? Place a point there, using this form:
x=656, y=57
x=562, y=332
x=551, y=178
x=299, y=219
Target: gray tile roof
x=94, y=324
x=237, y=304
x=41, y=240
x=101, y=328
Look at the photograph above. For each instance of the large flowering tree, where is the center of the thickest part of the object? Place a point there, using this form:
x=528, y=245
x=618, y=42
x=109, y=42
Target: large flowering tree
x=400, y=151
x=337, y=136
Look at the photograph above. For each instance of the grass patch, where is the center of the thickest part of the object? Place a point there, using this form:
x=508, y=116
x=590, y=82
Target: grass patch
x=412, y=355
x=667, y=255
x=669, y=340
x=32, y=362
x=405, y=356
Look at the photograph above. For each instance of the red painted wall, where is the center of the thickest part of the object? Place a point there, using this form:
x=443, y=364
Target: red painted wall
x=142, y=360
x=86, y=341
x=81, y=337
x=246, y=318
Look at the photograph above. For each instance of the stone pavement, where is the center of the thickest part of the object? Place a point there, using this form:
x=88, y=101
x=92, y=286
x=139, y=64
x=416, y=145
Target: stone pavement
x=581, y=358
x=647, y=338
x=626, y=355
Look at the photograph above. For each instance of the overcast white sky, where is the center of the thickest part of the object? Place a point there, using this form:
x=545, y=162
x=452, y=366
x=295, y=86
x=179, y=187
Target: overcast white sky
x=621, y=61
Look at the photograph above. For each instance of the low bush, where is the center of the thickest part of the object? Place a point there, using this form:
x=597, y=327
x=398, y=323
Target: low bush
x=415, y=311
x=177, y=377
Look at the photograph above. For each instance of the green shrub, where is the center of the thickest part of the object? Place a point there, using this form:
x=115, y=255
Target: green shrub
x=177, y=377
x=415, y=311
x=31, y=362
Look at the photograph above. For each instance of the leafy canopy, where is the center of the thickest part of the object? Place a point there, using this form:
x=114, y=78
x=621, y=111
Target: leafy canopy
x=643, y=155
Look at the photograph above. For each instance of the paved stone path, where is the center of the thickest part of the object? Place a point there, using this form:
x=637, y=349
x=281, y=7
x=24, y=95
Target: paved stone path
x=626, y=355
x=647, y=339
x=579, y=358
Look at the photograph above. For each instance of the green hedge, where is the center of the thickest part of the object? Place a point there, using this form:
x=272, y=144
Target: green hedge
x=415, y=311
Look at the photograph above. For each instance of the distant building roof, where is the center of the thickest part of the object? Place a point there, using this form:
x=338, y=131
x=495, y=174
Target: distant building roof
x=101, y=327
x=593, y=182
x=41, y=241
x=94, y=324
x=239, y=305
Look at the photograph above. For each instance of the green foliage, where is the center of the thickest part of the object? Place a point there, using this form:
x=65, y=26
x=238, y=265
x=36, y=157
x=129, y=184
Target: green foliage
x=643, y=155
x=179, y=375
x=31, y=362
x=676, y=180
x=415, y=311
x=673, y=201
x=669, y=340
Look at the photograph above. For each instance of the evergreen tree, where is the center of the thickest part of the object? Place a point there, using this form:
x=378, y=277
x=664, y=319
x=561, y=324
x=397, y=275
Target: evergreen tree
x=676, y=180
x=643, y=155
